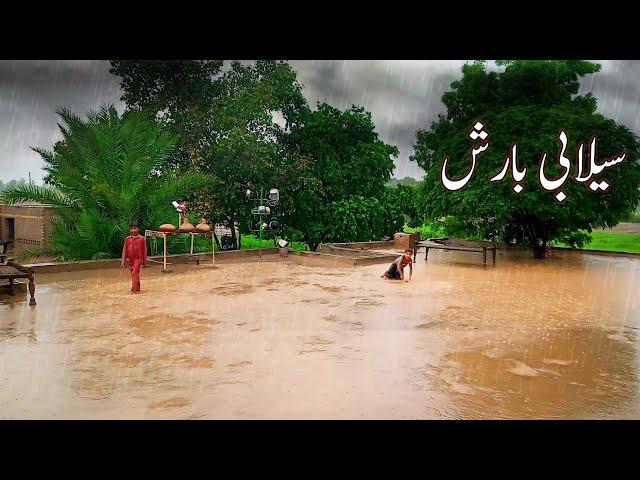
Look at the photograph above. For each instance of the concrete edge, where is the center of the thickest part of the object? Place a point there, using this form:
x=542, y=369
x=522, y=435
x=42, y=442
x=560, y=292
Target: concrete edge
x=362, y=245
x=328, y=259
x=220, y=257
x=330, y=249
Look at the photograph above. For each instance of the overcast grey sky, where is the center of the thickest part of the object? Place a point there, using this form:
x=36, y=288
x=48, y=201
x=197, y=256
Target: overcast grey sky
x=403, y=96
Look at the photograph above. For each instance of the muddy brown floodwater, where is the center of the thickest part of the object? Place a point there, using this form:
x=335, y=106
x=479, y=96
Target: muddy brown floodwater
x=277, y=340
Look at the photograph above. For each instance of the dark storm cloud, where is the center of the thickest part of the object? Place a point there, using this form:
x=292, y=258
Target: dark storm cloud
x=30, y=92
x=402, y=96
x=617, y=88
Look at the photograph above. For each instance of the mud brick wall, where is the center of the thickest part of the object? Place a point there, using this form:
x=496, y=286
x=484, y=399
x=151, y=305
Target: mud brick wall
x=32, y=225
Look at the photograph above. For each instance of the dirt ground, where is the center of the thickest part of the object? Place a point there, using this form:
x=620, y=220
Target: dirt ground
x=277, y=340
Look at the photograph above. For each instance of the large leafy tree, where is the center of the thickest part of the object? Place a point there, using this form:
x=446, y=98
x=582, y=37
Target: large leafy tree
x=361, y=219
x=180, y=92
x=106, y=173
x=247, y=153
x=350, y=159
x=224, y=119
x=405, y=199
x=350, y=167
x=315, y=158
x=527, y=103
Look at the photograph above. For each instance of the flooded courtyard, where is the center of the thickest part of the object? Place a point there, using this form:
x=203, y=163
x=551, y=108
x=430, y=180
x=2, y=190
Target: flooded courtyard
x=272, y=339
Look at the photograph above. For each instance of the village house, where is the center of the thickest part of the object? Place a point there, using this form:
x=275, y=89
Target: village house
x=26, y=226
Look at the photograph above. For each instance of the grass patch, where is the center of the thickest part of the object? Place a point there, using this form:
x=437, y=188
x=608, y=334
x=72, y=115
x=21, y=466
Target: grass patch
x=252, y=242
x=614, y=242
x=429, y=230
x=608, y=241
x=623, y=242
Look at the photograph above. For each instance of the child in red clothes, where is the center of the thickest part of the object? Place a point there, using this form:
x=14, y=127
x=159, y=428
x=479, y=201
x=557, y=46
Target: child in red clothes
x=135, y=253
x=396, y=270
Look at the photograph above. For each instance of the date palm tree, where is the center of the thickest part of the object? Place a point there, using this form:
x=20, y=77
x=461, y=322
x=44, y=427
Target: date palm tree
x=104, y=173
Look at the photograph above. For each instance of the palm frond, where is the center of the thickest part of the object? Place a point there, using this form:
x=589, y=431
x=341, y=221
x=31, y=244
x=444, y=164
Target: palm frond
x=37, y=194
x=106, y=168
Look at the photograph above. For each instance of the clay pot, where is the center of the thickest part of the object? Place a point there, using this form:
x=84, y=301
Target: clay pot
x=202, y=227
x=186, y=227
x=167, y=228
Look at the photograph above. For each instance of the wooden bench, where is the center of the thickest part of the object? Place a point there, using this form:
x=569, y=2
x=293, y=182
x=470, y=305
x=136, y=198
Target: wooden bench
x=461, y=245
x=12, y=271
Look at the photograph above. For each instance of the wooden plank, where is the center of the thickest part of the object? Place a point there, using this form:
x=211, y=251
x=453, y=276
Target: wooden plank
x=463, y=249
x=474, y=249
x=467, y=248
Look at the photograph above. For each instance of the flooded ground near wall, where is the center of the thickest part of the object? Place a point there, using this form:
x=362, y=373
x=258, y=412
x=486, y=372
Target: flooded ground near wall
x=274, y=339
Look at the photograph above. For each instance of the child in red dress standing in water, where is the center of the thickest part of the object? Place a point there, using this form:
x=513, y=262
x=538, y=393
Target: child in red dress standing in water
x=135, y=253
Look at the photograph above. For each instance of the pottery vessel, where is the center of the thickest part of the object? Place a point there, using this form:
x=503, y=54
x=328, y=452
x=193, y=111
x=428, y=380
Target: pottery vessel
x=202, y=227
x=167, y=228
x=186, y=227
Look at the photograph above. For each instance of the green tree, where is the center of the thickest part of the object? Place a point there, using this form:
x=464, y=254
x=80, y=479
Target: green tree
x=315, y=158
x=405, y=199
x=406, y=181
x=348, y=161
x=527, y=103
x=106, y=173
x=225, y=124
x=349, y=158
x=247, y=153
x=179, y=92
x=361, y=219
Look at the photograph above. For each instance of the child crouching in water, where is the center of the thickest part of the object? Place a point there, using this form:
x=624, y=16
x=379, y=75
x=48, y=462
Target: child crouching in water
x=135, y=253
x=396, y=270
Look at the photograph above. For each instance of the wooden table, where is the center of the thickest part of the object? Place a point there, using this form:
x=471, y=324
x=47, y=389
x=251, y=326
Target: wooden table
x=465, y=246
x=163, y=235
x=12, y=271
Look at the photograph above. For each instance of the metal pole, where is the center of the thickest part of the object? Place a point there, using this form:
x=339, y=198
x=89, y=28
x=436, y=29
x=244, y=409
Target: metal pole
x=164, y=255
x=260, y=218
x=213, y=251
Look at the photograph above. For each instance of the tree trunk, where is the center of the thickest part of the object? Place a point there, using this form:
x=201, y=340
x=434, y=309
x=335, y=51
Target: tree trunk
x=540, y=251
